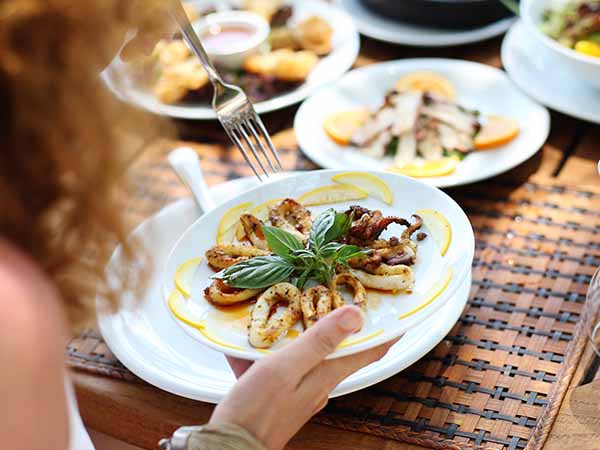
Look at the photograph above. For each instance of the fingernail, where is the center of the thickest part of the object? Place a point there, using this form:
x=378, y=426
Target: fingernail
x=351, y=319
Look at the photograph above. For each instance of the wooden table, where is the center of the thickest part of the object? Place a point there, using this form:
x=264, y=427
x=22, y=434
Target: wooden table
x=141, y=414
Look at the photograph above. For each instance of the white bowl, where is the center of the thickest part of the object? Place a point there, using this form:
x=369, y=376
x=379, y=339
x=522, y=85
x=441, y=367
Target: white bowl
x=233, y=55
x=583, y=66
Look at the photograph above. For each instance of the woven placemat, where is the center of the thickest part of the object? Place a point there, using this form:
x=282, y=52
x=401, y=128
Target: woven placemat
x=497, y=379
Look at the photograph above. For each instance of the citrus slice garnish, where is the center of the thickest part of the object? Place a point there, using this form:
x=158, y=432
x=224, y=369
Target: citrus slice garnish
x=341, y=126
x=438, y=227
x=424, y=81
x=495, y=132
x=184, y=273
x=227, y=226
x=434, y=168
x=589, y=48
x=371, y=184
x=261, y=212
x=434, y=292
x=333, y=193
x=176, y=304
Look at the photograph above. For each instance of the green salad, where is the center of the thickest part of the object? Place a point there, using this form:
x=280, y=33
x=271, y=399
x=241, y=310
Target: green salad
x=576, y=25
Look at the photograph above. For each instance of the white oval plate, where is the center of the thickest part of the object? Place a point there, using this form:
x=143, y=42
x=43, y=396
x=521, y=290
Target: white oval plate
x=150, y=344
x=395, y=314
x=396, y=32
x=478, y=86
x=344, y=53
x=540, y=74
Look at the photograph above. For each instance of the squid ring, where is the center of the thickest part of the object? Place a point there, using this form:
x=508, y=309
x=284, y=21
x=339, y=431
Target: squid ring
x=360, y=294
x=398, y=279
x=265, y=328
x=221, y=294
x=223, y=256
x=317, y=302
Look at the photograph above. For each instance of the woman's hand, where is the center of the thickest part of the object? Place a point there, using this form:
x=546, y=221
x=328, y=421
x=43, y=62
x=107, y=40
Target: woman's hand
x=278, y=394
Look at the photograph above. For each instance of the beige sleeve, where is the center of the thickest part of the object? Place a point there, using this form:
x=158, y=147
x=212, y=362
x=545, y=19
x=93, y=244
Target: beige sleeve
x=223, y=437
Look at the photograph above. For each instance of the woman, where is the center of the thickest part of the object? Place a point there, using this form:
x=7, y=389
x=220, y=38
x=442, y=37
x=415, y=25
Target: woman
x=65, y=144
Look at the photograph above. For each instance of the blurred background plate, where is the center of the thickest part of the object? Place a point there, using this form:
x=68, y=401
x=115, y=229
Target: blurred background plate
x=331, y=67
x=478, y=86
x=431, y=31
x=533, y=68
x=150, y=344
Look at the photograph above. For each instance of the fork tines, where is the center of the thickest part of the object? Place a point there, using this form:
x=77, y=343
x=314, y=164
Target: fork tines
x=250, y=133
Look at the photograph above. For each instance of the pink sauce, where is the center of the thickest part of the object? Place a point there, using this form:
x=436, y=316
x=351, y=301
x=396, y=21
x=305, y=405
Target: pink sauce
x=226, y=39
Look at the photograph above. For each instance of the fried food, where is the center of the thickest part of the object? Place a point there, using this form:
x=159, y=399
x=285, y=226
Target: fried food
x=171, y=52
x=253, y=231
x=317, y=302
x=176, y=80
x=392, y=278
x=266, y=327
x=264, y=8
x=220, y=293
x=367, y=225
x=284, y=64
x=291, y=216
x=222, y=256
x=314, y=34
x=360, y=294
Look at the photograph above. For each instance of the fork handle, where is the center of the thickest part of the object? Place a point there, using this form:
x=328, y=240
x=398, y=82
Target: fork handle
x=190, y=36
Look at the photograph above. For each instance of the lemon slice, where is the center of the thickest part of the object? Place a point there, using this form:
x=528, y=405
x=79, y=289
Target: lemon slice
x=424, y=81
x=369, y=183
x=176, y=304
x=495, y=132
x=341, y=126
x=184, y=273
x=589, y=48
x=333, y=193
x=425, y=169
x=434, y=292
x=261, y=212
x=439, y=228
x=227, y=226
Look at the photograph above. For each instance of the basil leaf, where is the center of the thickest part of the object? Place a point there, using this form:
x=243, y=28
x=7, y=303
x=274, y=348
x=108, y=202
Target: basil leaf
x=320, y=227
x=349, y=251
x=341, y=226
x=330, y=249
x=280, y=241
x=257, y=273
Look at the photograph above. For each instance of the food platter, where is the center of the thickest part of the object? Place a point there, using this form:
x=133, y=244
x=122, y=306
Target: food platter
x=478, y=87
x=155, y=348
x=436, y=277
x=345, y=42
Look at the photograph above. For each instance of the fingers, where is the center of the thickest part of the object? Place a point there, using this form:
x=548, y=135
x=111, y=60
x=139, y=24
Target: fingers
x=330, y=373
x=239, y=366
x=317, y=342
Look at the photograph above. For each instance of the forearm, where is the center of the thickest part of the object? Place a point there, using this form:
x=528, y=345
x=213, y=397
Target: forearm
x=223, y=437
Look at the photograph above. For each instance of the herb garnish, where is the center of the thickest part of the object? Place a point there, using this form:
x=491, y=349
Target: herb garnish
x=292, y=259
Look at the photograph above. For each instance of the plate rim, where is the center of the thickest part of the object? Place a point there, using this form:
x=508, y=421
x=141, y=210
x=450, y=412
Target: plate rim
x=199, y=392
x=446, y=40
x=279, y=102
x=455, y=282
x=435, y=181
x=506, y=51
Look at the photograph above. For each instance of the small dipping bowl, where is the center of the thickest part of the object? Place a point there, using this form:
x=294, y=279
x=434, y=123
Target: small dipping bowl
x=229, y=37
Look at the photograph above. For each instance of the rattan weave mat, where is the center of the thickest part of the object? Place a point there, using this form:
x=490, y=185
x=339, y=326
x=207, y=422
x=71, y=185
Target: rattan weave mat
x=503, y=367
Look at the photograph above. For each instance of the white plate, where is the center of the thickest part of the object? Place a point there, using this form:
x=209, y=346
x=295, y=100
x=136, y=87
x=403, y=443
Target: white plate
x=395, y=313
x=540, y=74
x=389, y=30
x=478, y=86
x=329, y=68
x=155, y=349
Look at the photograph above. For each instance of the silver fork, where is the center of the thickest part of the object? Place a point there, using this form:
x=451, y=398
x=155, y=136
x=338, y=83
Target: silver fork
x=233, y=109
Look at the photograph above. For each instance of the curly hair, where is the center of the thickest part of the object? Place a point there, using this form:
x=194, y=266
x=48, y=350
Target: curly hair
x=65, y=144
